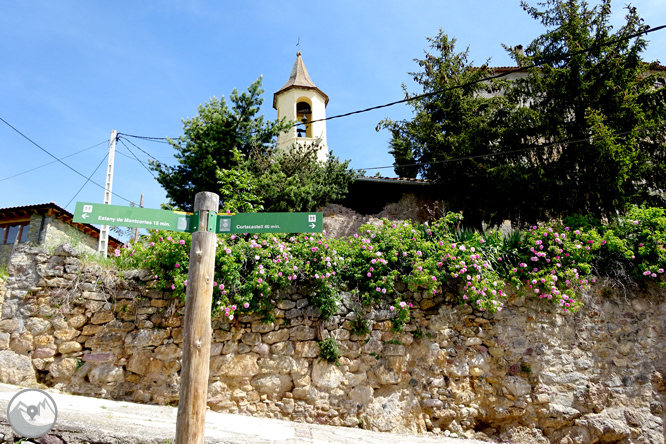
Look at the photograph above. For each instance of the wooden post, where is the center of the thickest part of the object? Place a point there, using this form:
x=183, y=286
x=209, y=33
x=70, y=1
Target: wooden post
x=197, y=330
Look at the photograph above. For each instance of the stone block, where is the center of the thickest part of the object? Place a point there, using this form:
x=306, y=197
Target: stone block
x=272, y=385
x=44, y=341
x=171, y=352
x=251, y=339
x=67, y=334
x=98, y=357
x=63, y=369
x=77, y=321
x=4, y=340
x=16, y=369
x=106, y=374
x=283, y=348
x=276, y=336
x=234, y=366
x=105, y=340
x=309, y=349
x=145, y=337
x=22, y=343
x=8, y=325
x=91, y=330
x=362, y=394
x=302, y=333
x=69, y=347
x=42, y=353
x=102, y=317
x=140, y=362
x=38, y=326
x=262, y=327
x=326, y=376
x=94, y=296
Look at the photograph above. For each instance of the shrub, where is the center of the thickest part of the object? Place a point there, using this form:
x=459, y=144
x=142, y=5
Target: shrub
x=329, y=350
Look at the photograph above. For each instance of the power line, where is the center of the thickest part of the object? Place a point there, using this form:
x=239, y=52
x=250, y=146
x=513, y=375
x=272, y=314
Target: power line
x=139, y=148
x=485, y=79
x=50, y=163
x=87, y=180
x=132, y=153
x=150, y=139
x=58, y=160
x=479, y=156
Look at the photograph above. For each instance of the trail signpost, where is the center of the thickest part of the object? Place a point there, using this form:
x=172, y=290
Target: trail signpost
x=204, y=223
x=96, y=213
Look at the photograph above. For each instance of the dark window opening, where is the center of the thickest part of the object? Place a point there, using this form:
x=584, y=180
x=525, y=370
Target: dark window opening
x=12, y=233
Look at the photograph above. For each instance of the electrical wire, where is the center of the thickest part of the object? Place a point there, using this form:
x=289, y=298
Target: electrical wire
x=58, y=160
x=140, y=149
x=485, y=79
x=50, y=163
x=132, y=153
x=150, y=139
x=479, y=156
x=87, y=180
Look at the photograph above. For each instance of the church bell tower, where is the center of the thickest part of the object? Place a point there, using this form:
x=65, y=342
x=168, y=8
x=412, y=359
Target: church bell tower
x=300, y=100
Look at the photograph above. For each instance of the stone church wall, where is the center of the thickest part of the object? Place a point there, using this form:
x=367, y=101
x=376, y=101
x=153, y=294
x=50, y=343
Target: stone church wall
x=527, y=374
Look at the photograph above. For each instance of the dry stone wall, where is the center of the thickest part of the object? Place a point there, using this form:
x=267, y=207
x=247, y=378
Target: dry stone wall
x=525, y=375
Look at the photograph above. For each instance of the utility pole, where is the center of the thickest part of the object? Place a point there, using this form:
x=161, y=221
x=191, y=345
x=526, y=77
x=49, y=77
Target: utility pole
x=136, y=232
x=103, y=246
x=195, y=367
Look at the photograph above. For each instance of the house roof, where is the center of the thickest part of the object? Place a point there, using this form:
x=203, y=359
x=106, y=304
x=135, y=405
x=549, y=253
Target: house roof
x=499, y=69
x=394, y=180
x=11, y=214
x=299, y=78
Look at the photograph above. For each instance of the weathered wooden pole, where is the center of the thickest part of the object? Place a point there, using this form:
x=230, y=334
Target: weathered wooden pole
x=197, y=329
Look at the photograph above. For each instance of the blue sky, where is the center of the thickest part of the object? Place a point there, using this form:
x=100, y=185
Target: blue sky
x=72, y=71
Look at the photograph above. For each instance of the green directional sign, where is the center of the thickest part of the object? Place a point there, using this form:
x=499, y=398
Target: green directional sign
x=270, y=223
x=100, y=214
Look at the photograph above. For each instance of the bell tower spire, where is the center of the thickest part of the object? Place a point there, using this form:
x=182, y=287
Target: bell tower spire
x=300, y=100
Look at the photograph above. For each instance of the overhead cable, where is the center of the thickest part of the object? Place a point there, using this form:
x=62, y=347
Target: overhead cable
x=58, y=160
x=132, y=153
x=504, y=153
x=485, y=79
x=50, y=163
x=87, y=180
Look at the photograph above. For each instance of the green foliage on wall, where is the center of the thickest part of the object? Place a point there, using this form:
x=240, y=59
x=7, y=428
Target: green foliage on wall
x=552, y=262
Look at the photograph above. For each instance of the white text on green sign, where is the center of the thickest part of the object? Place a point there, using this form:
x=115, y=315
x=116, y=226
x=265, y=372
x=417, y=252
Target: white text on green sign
x=100, y=214
x=270, y=223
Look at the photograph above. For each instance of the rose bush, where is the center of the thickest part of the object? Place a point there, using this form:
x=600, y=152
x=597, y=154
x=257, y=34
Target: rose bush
x=552, y=262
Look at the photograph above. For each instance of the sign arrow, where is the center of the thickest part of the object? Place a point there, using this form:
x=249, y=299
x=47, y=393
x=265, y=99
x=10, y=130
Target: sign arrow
x=85, y=215
x=312, y=225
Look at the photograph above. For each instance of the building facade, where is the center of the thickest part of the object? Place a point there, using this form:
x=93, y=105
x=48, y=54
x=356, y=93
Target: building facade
x=45, y=225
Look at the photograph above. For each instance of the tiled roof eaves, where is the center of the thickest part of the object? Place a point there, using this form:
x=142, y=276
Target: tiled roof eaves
x=395, y=180
x=52, y=205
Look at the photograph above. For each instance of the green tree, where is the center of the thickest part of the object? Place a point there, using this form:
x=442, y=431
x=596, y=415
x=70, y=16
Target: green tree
x=455, y=117
x=219, y=138
x=231, y=152
x=295, y=180
x=601, y=98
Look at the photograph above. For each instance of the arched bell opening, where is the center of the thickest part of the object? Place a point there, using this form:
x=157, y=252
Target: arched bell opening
x=304, y=116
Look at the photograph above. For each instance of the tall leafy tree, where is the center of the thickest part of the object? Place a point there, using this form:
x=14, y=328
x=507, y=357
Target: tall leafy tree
x=231, y=151
x=601, y=99
x=295, y=180
x=455, y=117
x=218, y=138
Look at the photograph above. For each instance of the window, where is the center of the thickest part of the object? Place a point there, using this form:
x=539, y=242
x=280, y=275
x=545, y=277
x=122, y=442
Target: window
x=11, y=232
